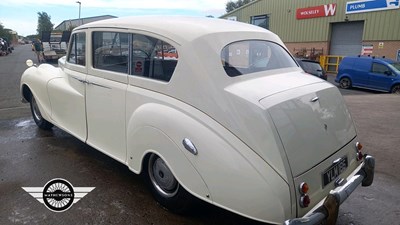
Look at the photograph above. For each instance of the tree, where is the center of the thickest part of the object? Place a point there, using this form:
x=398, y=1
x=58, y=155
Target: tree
x=232, y=5
x=44, y=23
x=4, y=32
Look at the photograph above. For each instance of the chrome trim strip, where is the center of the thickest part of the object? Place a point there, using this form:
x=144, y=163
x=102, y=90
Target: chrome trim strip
x=78, y=79
x=99, y=85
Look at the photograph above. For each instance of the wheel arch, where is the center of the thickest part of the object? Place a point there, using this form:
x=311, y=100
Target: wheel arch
x=140, y=150
x=160, y=129
x=394, y=85
x=26, y=92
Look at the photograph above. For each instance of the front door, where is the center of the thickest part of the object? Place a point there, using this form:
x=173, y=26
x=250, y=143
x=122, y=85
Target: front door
x=67, y=94
x=380, y=77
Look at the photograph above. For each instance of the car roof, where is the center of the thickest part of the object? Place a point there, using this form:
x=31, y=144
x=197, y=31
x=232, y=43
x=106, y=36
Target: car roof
x=179, y=28
x=307, y=60
x=381, y=59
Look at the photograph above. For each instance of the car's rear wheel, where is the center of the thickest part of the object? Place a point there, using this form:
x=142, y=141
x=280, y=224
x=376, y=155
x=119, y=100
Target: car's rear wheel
x=165, y=187
x=345, y=83
x=37, y=116
x=396, y=89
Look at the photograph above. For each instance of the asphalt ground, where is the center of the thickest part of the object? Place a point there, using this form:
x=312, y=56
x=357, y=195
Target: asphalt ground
x=30, y=157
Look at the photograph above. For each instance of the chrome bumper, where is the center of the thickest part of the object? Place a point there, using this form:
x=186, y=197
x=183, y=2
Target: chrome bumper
x=328, y=211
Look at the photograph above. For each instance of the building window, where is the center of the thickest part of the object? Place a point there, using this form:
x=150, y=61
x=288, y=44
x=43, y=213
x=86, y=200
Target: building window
x=261, y=21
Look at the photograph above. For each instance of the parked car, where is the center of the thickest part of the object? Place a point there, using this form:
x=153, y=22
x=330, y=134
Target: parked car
x=373, y=73
x=258, y=139
x=312, y=67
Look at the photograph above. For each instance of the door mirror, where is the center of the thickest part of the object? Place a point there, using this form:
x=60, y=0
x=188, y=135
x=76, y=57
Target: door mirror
x=388, y=73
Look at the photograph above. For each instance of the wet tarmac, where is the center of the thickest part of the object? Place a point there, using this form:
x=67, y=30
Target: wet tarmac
x=30, y=157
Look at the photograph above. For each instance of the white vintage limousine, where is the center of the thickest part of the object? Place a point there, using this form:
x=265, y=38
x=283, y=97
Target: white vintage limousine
x=205, y=108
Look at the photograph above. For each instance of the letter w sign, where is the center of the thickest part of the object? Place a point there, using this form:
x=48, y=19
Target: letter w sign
x=316, y=11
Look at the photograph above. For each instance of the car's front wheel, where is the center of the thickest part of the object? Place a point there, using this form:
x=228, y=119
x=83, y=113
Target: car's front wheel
x=37, y=116
x=396, y=89
x=345, y=83
x=164, y=186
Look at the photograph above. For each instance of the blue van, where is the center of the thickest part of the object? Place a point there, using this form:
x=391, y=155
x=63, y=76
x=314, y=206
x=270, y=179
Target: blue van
x=379, y=74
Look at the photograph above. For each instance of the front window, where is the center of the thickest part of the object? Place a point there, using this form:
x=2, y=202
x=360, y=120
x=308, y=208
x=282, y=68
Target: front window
x=395, y=66
x=77, y=49
x=379, y=68
x=252, y=56
x=261, y=21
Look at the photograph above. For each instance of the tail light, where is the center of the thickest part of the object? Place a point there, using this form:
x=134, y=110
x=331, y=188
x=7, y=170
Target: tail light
x=359, y=153
x=304, y=198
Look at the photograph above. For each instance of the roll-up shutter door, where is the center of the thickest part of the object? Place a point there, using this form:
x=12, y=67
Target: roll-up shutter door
x=346, y=38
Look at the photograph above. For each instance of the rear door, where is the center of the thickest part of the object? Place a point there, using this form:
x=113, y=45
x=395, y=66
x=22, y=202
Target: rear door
x=360, y=71
x=380, y=77
x=107, y=82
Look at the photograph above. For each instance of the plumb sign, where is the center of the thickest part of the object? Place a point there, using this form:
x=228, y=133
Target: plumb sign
x=370, y=6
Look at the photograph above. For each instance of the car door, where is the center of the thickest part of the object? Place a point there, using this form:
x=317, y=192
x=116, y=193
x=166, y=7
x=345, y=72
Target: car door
x=106, y=93
x=67, y=94
x=359, y=73
x=380, y=77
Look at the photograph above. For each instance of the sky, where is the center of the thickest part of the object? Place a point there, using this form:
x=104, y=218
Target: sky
x=21, y=15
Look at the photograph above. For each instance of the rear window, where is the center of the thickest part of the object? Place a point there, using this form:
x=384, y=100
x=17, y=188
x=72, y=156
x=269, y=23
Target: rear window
x=250, y=56
x=311, y=67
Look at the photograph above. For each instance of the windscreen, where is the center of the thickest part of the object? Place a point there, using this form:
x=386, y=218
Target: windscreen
x=250, y=56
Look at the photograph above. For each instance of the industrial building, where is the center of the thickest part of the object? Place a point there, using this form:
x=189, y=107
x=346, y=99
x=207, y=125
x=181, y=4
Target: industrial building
x=315, y=28
x=68, y=25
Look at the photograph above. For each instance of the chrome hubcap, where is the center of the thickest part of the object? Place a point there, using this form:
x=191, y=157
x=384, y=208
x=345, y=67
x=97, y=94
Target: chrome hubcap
x=36, y=111
x=344, y=83
x=161, y=177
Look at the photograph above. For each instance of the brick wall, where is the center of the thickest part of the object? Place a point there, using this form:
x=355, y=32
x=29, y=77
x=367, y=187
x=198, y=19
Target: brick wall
x=295, y=48
x=389, y=48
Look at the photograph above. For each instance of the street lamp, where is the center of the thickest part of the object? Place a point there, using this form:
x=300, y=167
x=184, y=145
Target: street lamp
x=79, y=12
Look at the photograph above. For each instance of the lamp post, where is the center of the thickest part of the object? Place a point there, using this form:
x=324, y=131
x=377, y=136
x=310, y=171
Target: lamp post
x=79, y=12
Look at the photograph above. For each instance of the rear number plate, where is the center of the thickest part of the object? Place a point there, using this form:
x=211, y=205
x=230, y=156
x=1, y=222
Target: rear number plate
x=334, y=171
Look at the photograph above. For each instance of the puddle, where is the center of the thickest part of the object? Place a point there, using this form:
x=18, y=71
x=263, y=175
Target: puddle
x=25, y=123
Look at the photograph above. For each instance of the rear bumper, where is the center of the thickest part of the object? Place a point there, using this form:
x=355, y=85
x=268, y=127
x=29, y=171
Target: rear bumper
x=328, y=211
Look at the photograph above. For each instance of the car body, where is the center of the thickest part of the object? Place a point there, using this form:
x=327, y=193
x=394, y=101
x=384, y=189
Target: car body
x=312, y=67
x=211, y=124
x=372, y=73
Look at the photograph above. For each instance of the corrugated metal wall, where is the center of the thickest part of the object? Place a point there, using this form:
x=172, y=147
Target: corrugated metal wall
x=378, y=26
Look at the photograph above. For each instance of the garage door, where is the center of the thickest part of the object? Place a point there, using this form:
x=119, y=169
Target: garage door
x=346, y=38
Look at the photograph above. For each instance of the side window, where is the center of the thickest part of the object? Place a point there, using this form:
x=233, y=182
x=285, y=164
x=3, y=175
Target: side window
x=379, y=68
x=77, y=49
x=152, y=58
x=110, y=51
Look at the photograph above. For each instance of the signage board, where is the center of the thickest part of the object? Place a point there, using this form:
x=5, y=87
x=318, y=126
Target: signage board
x=367, y=49
x=316, y=11
x=370, y=6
